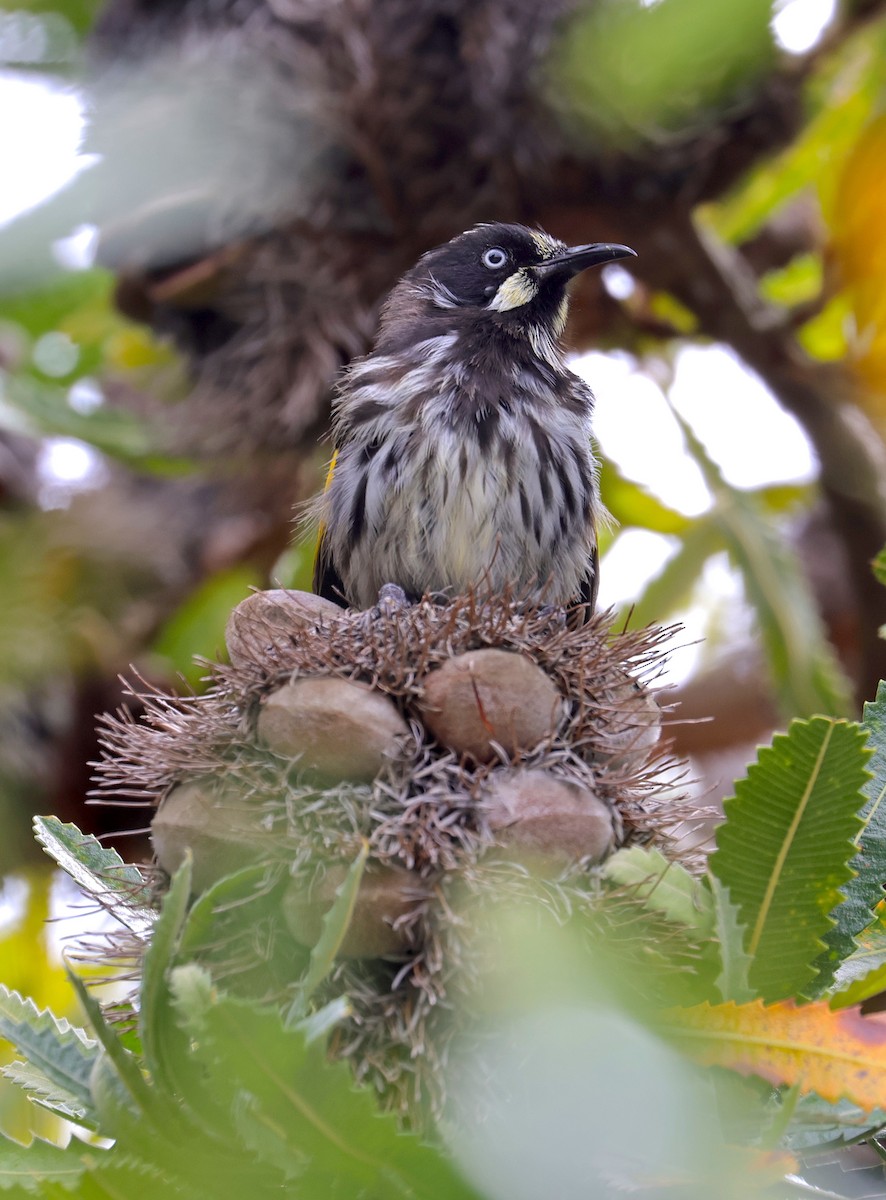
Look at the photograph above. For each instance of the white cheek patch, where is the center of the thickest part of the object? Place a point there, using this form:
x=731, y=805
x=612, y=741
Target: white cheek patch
x=547, y=246
x=518, y=289
x=559, y=322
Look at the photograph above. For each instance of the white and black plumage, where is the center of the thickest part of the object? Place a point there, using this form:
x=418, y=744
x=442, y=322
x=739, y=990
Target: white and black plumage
x=463, y=442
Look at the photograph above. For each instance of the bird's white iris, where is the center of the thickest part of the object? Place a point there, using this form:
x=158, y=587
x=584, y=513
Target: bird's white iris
x=494, y=258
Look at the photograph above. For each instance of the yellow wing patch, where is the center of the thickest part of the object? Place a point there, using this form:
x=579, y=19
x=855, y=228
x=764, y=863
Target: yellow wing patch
x=321, y=528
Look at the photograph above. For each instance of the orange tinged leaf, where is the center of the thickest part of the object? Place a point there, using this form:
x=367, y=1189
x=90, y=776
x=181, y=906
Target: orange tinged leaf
x=835, y=1054
x=859, y=248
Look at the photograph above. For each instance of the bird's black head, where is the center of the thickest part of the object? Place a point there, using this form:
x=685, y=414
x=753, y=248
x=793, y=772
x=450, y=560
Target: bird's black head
x=505, y=274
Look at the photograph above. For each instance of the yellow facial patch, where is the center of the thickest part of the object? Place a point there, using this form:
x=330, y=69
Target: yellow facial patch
x=518, y=289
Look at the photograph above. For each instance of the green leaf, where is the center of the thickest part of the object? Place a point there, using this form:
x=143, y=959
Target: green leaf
x=798, y=282
x=63, y=1054
x=864, y=891
x=99, y=871
x=863, y=973
x=335, y=925
x=49, y=1095
x=844, y=108
x=154, y=1014
x=785, y=846
x=673, y=584
x=632, y=504
x=806, y=673
x=41, y=408
x=735, y=962
x=662, y=885
x=124, y=1065
x=197, y=629
x=818, y=1124
x=632, y=72
x=878, y=566
x=308, y=1110
x=28, y=1168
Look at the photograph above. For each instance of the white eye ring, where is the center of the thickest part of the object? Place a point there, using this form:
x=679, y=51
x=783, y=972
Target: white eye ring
x=494, y=258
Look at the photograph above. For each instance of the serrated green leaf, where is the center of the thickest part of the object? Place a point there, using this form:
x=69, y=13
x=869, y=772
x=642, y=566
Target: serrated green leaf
x=864, y=891
x=818, y=1124
x=735, y=962
x=112, y=1176
x=670, y=589
x=31, y=1167
x=327, y=1121
x=49, y=1095
x=98, y=870
x=61, y=1052
x=663, y=886
x=859, y=977
x=785, y=846
x=805, y=670
x=335, y=925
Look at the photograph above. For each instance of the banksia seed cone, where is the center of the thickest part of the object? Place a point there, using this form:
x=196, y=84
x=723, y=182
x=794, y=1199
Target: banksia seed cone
x=462, y=744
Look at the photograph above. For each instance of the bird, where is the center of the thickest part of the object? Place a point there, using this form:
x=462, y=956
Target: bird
x=463, y=457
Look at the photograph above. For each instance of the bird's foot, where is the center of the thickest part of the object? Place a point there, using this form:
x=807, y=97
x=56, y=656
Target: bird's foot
x=391, y=597
x=554, y=614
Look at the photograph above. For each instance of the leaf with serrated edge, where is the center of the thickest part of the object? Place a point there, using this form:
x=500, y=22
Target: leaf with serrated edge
x=818, y=1124
x=30, y=1167
x=663, y=886
x=863, y=892
x=63, y=1053
x=732, y=982
x=49, y=1095
x=863, y=973
x=835, y=1054
x=99, y=871
x=784, y=848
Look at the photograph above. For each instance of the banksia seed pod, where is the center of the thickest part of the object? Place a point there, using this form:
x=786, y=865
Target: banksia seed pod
x=461, y=743
x=334, y=729
x=219, y=825
x=266, y=620
x=387, y=898
x=487, y=698
x=539, y=815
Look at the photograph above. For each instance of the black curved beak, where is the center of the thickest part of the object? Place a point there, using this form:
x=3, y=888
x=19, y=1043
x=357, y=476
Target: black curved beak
x=579, y=258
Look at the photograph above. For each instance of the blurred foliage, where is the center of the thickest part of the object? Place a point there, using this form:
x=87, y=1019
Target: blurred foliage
x=632, y=71
x=574, y=1071
x=23, y=21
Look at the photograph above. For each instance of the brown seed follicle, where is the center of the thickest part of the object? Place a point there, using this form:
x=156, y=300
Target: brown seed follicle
x=269, y=619
x=386, y=895
x=487, y=697
x=220, y=827
x=337, y=729
x=542, y=816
